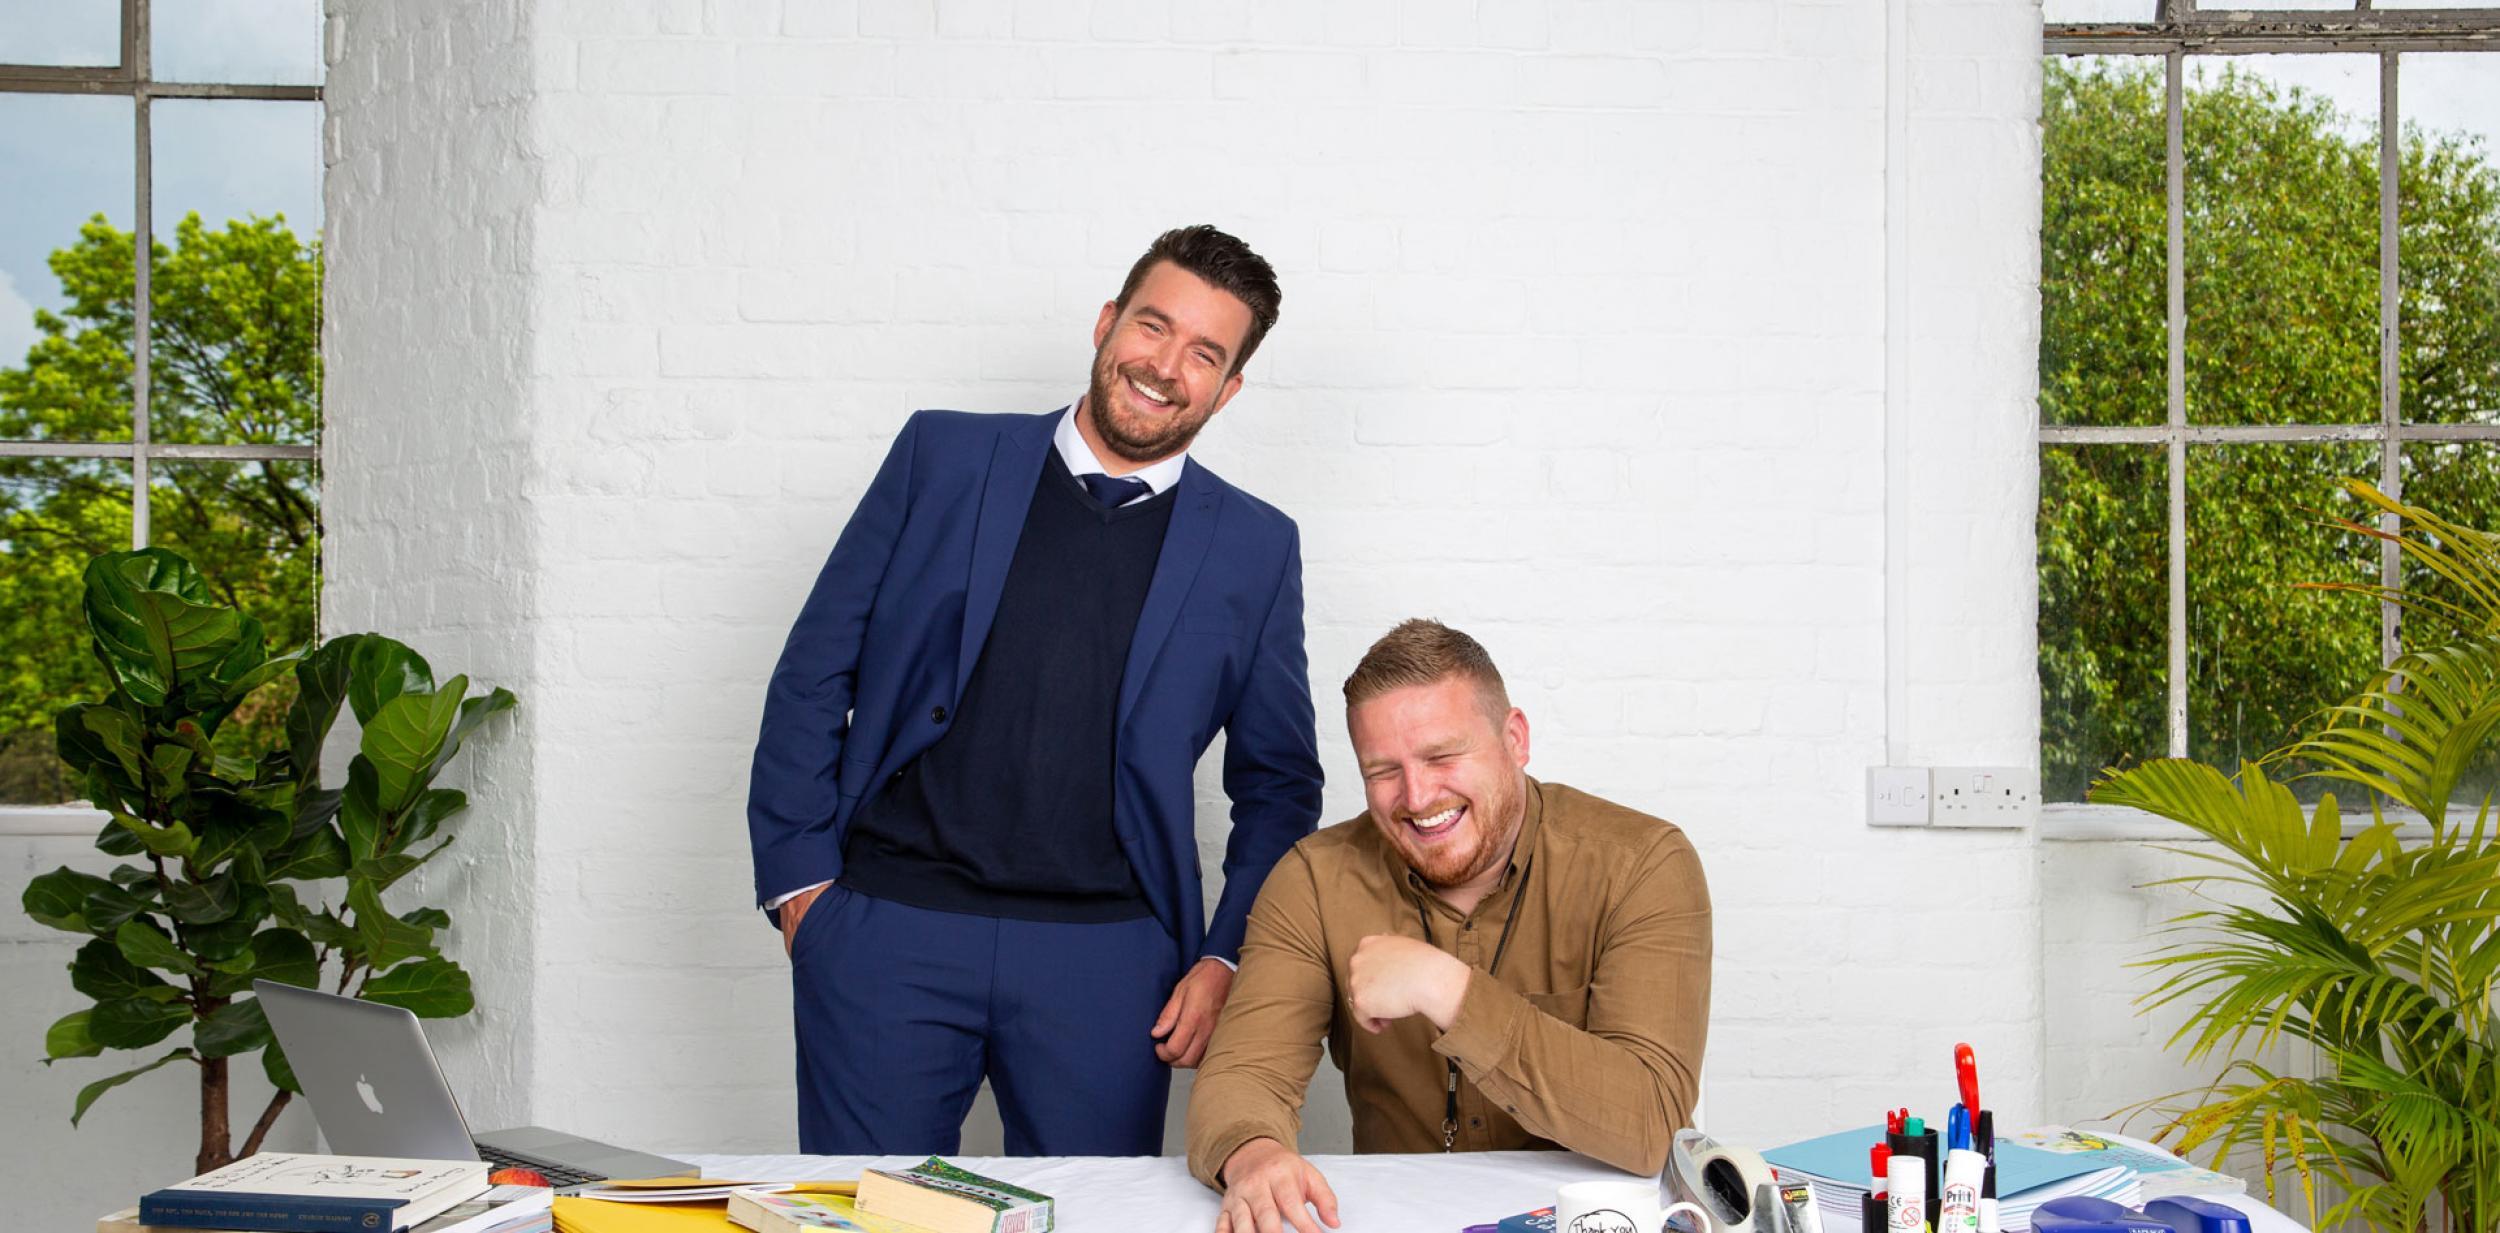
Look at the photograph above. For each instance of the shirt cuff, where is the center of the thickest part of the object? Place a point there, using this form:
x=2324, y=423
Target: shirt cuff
x=1486, y=1032
x=1222, y=960
x=1221, y=1145
x=774, y=904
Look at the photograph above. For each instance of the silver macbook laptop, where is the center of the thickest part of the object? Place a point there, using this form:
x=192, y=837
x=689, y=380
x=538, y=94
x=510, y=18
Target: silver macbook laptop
x=374, y=1088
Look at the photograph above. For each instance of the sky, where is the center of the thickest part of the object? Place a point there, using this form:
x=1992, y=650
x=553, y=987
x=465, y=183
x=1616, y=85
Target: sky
x=67, y=157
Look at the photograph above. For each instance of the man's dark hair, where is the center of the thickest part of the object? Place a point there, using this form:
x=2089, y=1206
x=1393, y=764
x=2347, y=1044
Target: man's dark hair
x=1226, y=264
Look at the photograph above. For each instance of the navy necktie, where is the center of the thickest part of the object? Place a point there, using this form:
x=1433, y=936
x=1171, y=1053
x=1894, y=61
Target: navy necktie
x=1114, y=491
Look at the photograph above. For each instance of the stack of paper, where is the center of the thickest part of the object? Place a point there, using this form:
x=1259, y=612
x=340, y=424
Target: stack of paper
x=1835, y=1165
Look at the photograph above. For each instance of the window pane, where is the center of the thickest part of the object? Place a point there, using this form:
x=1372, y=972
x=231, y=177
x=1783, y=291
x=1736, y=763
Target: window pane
x=2103, y=257
x=253, y=529
x=66, y=250
x=2104, y=611
x=251, y=42
x=55, y=514
x=2448, y=207
x=2282, y=240
x=61, y=33
x=2461, y=483
x=2263, y=654
x=238, y=285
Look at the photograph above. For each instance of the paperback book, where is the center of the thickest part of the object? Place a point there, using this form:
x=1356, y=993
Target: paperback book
x=945, y=1199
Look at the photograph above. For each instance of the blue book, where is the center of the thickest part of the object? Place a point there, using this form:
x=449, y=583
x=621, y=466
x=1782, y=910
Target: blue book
x=268, y=1213
x=290, y=1192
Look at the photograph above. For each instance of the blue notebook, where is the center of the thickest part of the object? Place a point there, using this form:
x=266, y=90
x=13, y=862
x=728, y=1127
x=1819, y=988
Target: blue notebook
x=1842, y=1158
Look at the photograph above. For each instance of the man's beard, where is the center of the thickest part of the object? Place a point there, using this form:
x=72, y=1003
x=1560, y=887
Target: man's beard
x=1500, y=808
x=1138, y=443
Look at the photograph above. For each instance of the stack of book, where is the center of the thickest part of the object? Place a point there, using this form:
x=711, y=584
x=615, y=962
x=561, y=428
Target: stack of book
x=294, y=1192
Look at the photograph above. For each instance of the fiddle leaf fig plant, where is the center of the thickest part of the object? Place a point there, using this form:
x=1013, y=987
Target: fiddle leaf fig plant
x=244, y=868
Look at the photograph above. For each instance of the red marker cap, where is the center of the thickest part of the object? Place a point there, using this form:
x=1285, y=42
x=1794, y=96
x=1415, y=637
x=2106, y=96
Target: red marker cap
x=1966, y=1072
x=1879, y=1164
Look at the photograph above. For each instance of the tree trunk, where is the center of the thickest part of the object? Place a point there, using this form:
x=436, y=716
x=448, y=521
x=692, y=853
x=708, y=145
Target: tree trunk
x=216, y=1141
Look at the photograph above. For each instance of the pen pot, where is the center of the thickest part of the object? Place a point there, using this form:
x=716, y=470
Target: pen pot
x=1983, y=1136
x=1872, y=1216
x=1927, y=1147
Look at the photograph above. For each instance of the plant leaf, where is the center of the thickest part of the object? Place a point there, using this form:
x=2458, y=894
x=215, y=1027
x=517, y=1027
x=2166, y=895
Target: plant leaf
x=87, y=1095
x=320, y=686
x=403, y=739
x=135, y=1023
x=154, y=621
x=432, y=988
x=68, y=1037
x=381, y=670
x=236, y=1027
x=58, y=899
x=100, y=972
x=143, y=944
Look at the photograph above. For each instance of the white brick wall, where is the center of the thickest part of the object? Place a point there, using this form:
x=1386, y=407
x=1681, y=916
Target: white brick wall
x=429, y=459
x=1682, y=352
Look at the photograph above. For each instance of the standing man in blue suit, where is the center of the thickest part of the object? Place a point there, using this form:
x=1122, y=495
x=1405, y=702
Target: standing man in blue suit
x=971, y=805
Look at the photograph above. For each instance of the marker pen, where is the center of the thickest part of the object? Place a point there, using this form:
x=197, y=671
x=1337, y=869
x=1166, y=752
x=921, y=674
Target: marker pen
x=1962, y=1169
x=1905, y=1202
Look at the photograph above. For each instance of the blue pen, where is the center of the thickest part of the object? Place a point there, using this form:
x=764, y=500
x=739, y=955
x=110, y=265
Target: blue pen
x=1957, y=1128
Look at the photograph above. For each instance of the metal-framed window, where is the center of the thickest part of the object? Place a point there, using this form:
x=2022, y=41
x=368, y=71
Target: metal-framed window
x=2193, y=441
x=182, y=85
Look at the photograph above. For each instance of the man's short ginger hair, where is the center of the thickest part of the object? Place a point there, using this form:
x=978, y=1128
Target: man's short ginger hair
x=1422, y=651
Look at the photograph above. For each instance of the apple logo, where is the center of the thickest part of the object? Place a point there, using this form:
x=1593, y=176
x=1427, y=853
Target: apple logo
x=364, y=1091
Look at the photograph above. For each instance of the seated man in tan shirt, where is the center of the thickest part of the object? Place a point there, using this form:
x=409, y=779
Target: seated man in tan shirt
x=1495, y=963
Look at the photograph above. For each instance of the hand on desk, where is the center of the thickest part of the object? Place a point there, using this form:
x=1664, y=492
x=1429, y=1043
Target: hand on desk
x=1390, y=977
x=1189, y=1015
x=792, y=911
x=1269, y=1187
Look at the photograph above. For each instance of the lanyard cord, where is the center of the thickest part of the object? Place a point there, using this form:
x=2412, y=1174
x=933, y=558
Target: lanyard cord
x=1449, y=1092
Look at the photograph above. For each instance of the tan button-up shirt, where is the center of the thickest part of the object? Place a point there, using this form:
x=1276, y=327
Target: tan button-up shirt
x=1588, y=1037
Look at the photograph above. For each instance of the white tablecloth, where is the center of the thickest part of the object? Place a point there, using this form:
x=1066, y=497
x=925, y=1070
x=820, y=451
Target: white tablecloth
x=1433, y=1193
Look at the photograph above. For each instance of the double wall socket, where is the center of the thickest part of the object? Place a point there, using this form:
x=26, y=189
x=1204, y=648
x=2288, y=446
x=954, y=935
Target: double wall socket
x=1961, y=796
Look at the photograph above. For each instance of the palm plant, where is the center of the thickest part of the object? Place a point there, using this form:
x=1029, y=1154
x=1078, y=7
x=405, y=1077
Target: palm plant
x=2379, y=952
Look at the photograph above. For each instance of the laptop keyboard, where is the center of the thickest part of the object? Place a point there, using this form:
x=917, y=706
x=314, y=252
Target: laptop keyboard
x=555, y=1173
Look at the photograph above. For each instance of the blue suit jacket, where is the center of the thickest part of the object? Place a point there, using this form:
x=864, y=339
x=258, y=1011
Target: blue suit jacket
x=880, y=654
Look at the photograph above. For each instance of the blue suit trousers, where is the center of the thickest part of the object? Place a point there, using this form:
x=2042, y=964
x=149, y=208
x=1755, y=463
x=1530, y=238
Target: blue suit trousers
x=901, y=1012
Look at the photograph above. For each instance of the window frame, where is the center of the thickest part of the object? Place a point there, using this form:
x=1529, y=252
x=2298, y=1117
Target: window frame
x=133, y=77
x=2180, y=30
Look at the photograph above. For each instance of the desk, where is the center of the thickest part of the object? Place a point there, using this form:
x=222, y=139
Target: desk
x=1431, y=1193
x=1428, y=1193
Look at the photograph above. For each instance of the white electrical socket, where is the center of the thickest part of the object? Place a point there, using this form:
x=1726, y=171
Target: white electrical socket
x=1985, y=796
x=1896, y=796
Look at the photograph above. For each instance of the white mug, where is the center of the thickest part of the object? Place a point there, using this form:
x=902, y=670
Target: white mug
x=1618, y=1207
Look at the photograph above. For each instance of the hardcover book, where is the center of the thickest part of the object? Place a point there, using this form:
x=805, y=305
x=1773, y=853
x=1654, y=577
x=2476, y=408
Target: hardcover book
x=945, y=1199
x=293, y=1192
